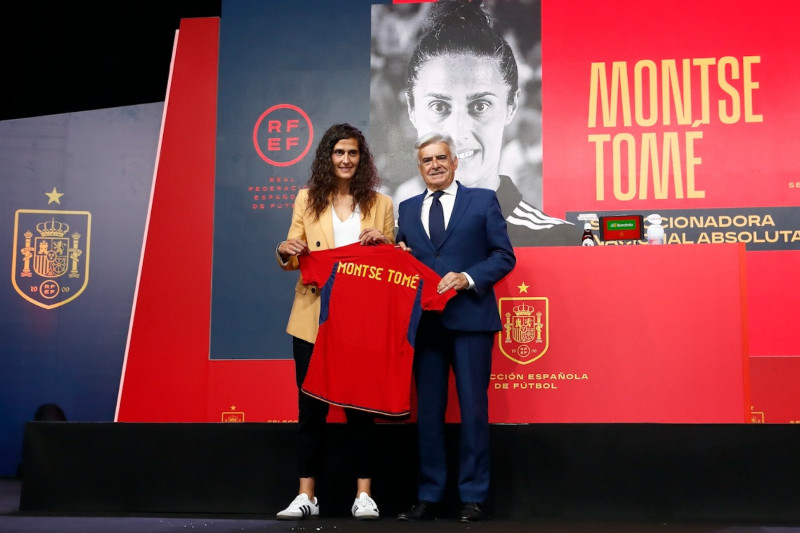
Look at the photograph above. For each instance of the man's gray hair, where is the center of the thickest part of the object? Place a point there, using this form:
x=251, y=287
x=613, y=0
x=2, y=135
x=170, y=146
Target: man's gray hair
x=435, y=137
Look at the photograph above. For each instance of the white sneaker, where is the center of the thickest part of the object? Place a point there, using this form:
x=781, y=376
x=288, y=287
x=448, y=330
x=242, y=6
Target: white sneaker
x=365, y=508
x=301, y=508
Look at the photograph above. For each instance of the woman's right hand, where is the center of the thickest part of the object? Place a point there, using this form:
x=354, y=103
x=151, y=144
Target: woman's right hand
x=293, y=247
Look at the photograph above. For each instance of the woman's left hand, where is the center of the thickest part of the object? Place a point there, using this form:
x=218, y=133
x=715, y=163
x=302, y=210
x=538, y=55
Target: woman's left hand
x=373, y=236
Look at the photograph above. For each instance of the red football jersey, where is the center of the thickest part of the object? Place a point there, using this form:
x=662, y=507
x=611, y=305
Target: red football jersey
x=371, y=301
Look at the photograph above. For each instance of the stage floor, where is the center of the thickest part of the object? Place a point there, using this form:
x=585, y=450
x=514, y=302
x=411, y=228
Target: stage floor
x=12, y=521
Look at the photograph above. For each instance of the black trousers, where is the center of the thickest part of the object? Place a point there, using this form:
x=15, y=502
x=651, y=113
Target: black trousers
x=312, y=415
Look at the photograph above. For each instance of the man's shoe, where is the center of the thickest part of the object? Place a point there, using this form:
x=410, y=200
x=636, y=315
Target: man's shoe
x=422, y=510
x=301, y=508
x=472, y=512
x=365, y=508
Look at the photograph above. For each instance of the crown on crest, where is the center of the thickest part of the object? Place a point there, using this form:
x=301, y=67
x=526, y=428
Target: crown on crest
x=52, y=228
x=524, y=310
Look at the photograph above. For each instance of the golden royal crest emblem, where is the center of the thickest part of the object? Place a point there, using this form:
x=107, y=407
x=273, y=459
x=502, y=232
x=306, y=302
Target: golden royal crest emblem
x=233, y=415
x=524, y=337
x=50, y=266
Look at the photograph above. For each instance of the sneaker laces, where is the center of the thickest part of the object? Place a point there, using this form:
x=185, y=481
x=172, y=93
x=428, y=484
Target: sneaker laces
x=300, y=501
x=365, y=502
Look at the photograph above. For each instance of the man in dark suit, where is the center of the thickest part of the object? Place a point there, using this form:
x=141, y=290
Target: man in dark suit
x=460, y=233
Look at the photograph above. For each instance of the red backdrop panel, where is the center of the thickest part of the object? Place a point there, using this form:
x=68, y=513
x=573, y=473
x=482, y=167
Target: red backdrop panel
x=774, y=385
x=160, y=380
x=773, y=289
x=745, y=111
x=773, y=294
x=631, y=334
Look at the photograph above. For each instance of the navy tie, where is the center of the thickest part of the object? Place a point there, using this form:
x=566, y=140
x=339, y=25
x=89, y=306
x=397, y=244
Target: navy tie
x=436, y=220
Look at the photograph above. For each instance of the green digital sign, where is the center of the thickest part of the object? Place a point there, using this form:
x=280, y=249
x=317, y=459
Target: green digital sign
x=621, y=228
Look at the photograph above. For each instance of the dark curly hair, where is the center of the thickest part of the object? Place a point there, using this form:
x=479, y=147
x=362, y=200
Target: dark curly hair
x=462, y=27
x=322, y=183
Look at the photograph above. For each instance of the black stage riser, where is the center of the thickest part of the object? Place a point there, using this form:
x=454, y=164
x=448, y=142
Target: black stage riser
x=669, y=472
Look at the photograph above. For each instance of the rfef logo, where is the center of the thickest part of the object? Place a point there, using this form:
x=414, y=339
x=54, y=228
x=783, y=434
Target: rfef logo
x=282, y=135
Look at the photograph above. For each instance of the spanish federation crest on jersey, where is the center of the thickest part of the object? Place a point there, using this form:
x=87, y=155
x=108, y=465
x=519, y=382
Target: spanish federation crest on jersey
x=524, y=337
x=50, y=266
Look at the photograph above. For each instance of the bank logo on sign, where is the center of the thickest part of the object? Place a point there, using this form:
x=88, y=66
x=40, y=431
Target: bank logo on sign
x=50, y=265
x=524, y=337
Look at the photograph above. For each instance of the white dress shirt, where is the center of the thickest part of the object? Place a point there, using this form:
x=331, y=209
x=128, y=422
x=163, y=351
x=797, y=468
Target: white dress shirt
x=448, y=200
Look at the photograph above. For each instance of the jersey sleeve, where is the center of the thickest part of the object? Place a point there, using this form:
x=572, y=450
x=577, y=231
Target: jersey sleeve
x=315, y=267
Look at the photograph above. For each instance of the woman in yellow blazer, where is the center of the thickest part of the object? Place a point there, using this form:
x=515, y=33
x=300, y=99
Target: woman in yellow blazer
x=340, y=206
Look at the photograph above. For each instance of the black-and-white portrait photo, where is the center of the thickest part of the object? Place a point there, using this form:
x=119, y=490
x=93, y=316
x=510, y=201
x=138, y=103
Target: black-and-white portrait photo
x=471, y=69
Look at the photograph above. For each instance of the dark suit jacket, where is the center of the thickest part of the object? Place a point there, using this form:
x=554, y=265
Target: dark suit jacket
x=476, y=242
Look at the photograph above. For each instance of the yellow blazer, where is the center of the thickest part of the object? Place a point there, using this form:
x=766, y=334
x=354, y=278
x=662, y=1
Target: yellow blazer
x=304, y=318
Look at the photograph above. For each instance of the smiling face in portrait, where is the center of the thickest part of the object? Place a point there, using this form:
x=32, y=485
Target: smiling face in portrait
x=345, y=157
x=465, y=96
x=437, y=165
